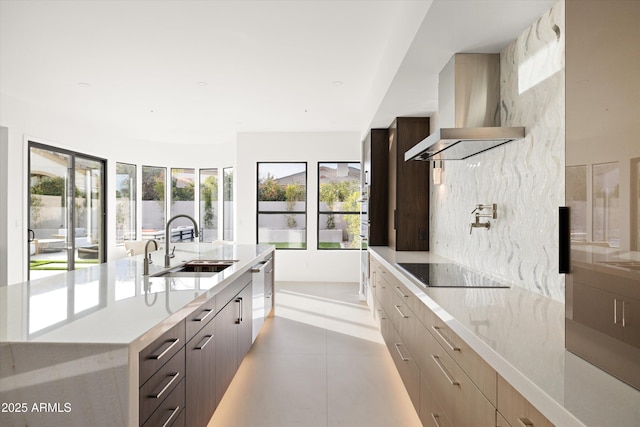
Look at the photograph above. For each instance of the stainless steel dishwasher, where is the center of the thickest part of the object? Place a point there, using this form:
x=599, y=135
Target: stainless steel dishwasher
x=262, y=294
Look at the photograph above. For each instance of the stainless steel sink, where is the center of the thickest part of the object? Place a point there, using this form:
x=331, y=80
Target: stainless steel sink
x=197, y=268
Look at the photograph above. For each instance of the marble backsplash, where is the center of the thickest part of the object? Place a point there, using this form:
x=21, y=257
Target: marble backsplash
x=525, y=178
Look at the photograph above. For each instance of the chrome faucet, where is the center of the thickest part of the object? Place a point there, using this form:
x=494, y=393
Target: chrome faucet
x=147, y=257
x=167, y=236
x=479, y=208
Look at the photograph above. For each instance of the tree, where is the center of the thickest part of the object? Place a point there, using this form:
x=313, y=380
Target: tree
x=209, y=194
x=293, y=193
x=269, y=190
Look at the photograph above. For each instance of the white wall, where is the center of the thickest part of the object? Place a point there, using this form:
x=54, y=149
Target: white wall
x=296, y=265
x=4, y=203
x=26, y=122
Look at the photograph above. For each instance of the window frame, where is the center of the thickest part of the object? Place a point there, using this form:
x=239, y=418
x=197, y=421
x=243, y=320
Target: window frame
x=324, y=212
x=285, y=212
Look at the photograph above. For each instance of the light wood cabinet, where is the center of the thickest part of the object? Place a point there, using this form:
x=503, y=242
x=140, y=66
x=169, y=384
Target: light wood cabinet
x=448, y=382
x=516, y=410
x=430, y=412
x=442, y=393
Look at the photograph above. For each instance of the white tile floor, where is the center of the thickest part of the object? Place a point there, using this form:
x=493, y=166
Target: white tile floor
x=319, y=362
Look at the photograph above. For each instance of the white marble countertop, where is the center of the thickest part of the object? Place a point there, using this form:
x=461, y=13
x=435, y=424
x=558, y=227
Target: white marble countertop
x=521, y=335
x=108, y=304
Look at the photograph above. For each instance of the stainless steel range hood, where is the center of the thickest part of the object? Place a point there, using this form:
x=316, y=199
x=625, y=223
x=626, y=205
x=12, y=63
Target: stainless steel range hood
x=469, y=111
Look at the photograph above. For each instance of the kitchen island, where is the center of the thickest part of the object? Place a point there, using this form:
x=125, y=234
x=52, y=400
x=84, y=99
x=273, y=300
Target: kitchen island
x=517, y=334
x=71, y=344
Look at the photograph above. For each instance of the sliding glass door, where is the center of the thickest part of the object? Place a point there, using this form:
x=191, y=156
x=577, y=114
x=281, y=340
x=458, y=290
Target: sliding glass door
x=66, y=210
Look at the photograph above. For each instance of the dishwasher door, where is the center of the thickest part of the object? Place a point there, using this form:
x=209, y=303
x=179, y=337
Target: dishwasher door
x=260, y=277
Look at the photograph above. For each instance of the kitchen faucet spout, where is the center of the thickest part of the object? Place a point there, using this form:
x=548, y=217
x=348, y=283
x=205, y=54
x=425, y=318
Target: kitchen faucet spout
x=167, y=236
x=147, y=258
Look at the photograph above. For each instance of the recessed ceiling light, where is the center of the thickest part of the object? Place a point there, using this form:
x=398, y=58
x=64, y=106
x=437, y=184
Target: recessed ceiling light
x=337, y=83
x=202, y=83
x=83, y=84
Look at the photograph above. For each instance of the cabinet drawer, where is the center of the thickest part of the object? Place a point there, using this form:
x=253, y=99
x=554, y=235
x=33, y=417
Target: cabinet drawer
x=431, y=414
x=458, y=397
x=200, y=317
x=407, y=367
x=155, y=391
x=171, y=412
x=412, y=332
x=410, y=299
x=156, y=354
x=500, y=421
x=482, y=375
x=517, y=410
x=227, y=294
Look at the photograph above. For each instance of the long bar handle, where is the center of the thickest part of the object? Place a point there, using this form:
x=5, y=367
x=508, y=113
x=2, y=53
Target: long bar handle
x=397, y=345
x=446, y=373
x=202, y=319
x=157, y=395
x=402, y=294
x=446, y=341
x=524, y=422
x=239, y=318
x=168, y=422
x=436, y=419
x=166, y=350
x=404, y=316
x=564, y=240
x=206, y=340
x=380, y=314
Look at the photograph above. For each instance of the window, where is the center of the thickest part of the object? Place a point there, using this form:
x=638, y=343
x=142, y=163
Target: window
x=153, y=202
x=125, y=202
x=282, y=204
x=209, y=204
x=339, y=205
x=227, y=200
x=183, y=202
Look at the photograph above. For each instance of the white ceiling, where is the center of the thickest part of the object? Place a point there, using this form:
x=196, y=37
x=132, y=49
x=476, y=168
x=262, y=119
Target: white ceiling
x=194, y=71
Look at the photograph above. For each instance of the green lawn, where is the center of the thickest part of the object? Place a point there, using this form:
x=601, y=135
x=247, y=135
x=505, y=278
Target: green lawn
x=55, y=264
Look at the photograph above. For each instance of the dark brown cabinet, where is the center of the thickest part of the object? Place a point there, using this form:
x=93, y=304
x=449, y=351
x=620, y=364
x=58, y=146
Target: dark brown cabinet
x=375, y=158
x=408, y=207
x=201, y=374
x=233, y=337
x=182, y=383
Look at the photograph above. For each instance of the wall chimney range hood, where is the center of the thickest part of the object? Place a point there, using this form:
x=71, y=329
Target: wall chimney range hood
x=469, y=107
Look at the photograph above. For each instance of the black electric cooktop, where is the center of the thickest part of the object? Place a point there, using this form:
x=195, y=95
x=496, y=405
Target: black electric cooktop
x=449, y=276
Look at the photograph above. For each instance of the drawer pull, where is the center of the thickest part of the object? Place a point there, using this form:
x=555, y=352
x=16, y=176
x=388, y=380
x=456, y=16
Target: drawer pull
x=201, y=319
x=404, y=316
x=380, y=314
x=446, y=341
x=524, y=422
x=444, y=370
x=168, y=422
x=206, y=340
x=165, y=351
x=436, y=419
x=402, y=294
x=404, y=359
x=174, y=377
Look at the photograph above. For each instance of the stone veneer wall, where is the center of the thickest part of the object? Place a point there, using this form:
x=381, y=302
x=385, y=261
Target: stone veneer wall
x=525, y=178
